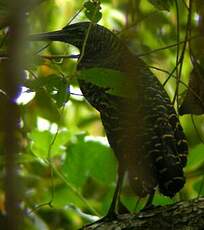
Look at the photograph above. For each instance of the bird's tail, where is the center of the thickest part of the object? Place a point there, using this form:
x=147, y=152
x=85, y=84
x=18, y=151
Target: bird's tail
x=169, y=158
x=160, y=160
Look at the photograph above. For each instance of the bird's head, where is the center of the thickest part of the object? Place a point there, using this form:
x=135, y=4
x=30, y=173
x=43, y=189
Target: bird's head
x=99, y=43
x=76, y=35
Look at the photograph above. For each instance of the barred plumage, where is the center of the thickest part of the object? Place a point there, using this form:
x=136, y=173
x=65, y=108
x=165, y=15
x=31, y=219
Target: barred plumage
x=143, y=131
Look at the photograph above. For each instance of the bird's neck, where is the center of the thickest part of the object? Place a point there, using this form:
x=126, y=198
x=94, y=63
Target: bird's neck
x=103, y=56
x=102, y=49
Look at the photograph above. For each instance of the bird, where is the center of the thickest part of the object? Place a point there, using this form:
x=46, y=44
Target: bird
x=143, y=129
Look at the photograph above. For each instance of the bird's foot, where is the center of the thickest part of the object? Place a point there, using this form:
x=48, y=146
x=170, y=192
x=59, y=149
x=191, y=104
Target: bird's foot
x=110, y=216
x=148, y=207
x=122, y=208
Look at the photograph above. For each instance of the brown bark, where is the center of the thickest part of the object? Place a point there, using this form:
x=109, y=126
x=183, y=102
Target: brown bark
x=180, y=216
x=10, y=117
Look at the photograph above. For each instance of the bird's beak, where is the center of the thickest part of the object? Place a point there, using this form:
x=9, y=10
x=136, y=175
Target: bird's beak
x=68, y=36
x=59, y=35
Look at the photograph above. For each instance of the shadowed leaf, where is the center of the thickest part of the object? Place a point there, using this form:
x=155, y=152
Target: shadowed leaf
x=194, y=100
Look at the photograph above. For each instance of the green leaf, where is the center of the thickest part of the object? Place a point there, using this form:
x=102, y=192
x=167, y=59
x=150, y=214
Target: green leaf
x=92, y=10
x=45, y=106
x=64, y=196
x=199, y=186
x=89, y=158
x=195, y=158
x=162, y=200
x=57, y=87
x=162, y=4
x=115, y=82
x=41, y=141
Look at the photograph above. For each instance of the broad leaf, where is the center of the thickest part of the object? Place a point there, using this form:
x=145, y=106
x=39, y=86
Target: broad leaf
x=162, y=4
x=115, y=82
x=57, y=88
x=42, y=141
x=89, y=158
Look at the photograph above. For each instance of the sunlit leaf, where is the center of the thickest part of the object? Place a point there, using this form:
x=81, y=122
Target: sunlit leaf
x=89, y=158
x=42, y=141
x=195, y=157
x=199, y=186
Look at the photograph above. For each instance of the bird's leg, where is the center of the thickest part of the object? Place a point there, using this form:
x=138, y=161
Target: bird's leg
x=121, y=207
x=112, y=210
x=149, y=204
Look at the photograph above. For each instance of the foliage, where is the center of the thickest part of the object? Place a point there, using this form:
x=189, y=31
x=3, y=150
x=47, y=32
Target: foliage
x=92, y=10
x=67, y=168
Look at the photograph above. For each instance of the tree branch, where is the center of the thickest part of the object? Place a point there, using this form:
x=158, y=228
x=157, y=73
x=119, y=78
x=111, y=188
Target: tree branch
x=180, y=216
